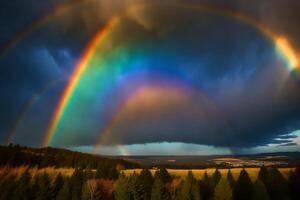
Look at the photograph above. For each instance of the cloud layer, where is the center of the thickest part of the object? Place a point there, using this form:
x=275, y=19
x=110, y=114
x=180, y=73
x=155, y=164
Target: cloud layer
x=242, y=94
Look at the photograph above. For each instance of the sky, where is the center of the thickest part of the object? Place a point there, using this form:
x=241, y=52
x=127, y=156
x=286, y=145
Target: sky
x=133, y=77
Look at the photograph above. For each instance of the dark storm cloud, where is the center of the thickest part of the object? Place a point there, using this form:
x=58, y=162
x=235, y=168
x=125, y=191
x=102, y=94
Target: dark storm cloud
x=45, y=55
x=287, y=136
x=289, y=144
x=256, y=117
x=283, y=16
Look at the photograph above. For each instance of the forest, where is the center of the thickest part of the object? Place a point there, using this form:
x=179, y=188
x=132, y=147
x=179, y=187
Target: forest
x=58, y=174
x=94, y=185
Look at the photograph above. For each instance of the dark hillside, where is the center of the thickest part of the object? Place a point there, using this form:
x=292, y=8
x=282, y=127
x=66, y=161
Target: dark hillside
x=15, y=155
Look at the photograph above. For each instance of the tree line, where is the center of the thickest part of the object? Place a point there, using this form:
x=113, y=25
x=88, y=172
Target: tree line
x=15, y=155
x=85, y=184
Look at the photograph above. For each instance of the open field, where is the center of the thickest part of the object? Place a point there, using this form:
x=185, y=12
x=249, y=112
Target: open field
x=198, y=173
x=52, y=172
x=179, y=173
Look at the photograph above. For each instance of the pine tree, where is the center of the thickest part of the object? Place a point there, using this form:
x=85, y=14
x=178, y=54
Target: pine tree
x=190, y=189
x=263, y=175
x=44, y=191
x=57, y=185
x=159, y=191
x=76, y=184
x=243, y=188
x=278, y=185
x=205, y=189
x=88, y=174
x=99, y=173
x=122, y=189
x=65, y=192
x=23, y=190
x=113, y=173
x=230, y=179
x=294, y=184
x=35, y=185
x=87, y=194
x=163, y=175
x=215, y=178
x=259, y=191
x=105, y=172
x=196, y=190
x=145, y=182
x=135, y=189
x=223, y=190
x=7, y=188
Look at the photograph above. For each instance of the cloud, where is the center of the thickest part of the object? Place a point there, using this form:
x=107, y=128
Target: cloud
x=289, y=144
x=250, y=100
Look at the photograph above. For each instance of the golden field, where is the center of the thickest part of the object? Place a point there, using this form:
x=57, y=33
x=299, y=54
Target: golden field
x=199, y=173
x=178, y=173
x=33, y=171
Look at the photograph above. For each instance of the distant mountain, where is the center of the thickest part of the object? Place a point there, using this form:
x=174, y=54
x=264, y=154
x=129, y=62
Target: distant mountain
x=295, y=154
x=15, y=155
x=204, y=161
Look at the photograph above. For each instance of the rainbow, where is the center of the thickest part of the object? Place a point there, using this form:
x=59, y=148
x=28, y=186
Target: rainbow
x=76, y=75
x=27, y=107
x=148, y=95
x=150, y=98
x=280, y=43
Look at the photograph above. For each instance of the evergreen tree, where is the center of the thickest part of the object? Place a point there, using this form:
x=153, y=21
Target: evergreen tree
x=65, y=192
x=230, y=179
x=205, y=189
x=87, y=193
x=260, y=191
x=145, y=182
x=163, y=175
x=57, y=185
x=215, y=178
x=196, y=190
x=44, y=191
x=159, y=191
x=7, y=188
x=135, y=189
x=263, y=175
x=122, y=189
x=35, y=185
x=294, y=184
x=113, y=173
x=223, y=190
x=23, y=190
x=190, y=189
x=88, y=174
x=76, y=182
x=278, y=185
x=243, y=188
x=99, y=173
x=106, y=172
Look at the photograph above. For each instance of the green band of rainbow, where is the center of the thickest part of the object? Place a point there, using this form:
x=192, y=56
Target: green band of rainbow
x=76, y=75
x=280, y=43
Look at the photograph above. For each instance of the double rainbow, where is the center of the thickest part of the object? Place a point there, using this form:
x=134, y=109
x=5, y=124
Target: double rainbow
x=280, y=43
